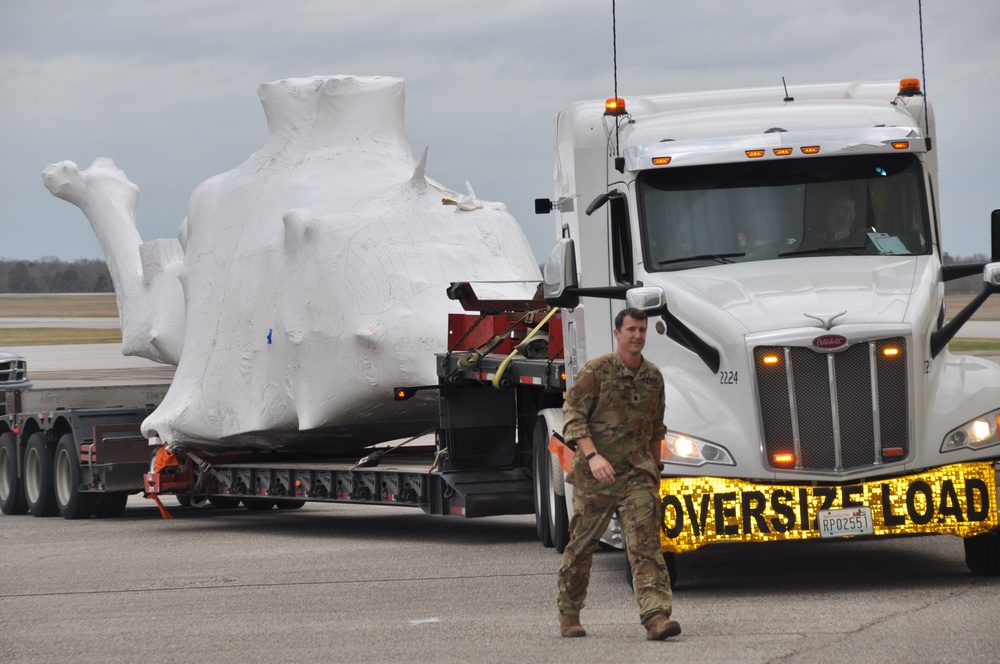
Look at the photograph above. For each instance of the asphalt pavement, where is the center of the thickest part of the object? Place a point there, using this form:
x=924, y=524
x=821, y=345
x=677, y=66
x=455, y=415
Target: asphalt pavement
x=357, y=583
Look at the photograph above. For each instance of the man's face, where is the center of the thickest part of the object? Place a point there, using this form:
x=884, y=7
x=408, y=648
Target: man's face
x=841, y=213
x=632, y=337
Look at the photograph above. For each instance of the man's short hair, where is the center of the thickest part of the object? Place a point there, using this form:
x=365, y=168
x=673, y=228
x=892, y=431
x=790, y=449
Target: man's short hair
x=632, y=312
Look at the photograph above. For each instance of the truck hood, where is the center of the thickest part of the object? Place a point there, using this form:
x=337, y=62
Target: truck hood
x=778, y=294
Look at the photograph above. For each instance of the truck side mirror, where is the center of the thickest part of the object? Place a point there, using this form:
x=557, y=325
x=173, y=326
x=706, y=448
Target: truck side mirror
x=543, y=205
x=995, y=236
x=559, y=275
x=650, y=299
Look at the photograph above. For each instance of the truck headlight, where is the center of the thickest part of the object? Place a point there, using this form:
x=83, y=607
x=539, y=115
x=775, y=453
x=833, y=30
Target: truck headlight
x=977, y=434
x=687, y=451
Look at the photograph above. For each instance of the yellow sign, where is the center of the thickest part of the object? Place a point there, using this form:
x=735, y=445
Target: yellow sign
x=954, y=500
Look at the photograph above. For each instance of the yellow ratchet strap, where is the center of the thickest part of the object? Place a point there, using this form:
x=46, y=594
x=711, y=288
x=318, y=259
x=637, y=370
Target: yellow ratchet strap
x=507, y=360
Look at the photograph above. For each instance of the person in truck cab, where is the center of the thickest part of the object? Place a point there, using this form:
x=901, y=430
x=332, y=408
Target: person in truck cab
x=614, y=415
x=841, y=222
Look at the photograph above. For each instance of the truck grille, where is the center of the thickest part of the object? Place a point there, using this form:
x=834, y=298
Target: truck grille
x=834, y=412
x=13, y=371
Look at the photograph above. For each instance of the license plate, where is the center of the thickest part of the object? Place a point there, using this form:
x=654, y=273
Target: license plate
x=844, y=522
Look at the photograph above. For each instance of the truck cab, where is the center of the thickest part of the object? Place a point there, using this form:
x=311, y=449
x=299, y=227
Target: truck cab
x=788, y=251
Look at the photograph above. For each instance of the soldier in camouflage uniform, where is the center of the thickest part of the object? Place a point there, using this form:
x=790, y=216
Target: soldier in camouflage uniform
x=614, y=414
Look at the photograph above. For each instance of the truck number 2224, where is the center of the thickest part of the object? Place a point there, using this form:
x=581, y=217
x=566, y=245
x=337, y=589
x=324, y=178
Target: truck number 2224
x=729, y=377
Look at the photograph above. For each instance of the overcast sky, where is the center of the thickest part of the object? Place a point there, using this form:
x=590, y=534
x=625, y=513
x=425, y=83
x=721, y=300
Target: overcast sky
x=169, y=89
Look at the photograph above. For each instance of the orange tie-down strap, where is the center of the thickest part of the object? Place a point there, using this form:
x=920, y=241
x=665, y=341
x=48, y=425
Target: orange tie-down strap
x=164, y=459
x=562, y=451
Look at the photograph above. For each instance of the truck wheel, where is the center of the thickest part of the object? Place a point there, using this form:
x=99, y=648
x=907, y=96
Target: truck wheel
x=982, y=553
x=11, y=491
x=258, y=504
x=551, y=419
x=559, y=523
x=38, y=476
x=539, y=465
x=111, y=505
x=71, y=502
x=669, y=558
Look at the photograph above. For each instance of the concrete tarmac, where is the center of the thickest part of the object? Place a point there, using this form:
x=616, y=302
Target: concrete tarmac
x=334, y=583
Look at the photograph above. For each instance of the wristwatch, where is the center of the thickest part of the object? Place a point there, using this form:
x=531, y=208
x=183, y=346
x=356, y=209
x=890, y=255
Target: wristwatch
x=590, y=456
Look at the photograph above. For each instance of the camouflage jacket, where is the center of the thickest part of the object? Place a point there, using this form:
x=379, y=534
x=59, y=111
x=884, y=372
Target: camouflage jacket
x=621, y=412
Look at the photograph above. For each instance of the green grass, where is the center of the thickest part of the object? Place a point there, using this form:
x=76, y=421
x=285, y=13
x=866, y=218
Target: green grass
x=973, y=345
x=88, y=305
x=47, y=336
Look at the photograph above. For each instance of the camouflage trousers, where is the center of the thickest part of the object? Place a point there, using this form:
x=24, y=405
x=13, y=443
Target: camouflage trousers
x=638, y=515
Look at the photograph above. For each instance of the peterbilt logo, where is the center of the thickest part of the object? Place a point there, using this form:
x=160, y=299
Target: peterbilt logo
x=830, y=342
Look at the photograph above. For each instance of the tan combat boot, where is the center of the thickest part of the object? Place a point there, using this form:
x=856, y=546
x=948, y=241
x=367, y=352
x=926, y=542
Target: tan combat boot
x=570, y=626
x=659, y=627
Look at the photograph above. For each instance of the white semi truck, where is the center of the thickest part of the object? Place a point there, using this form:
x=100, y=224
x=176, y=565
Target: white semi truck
x=788, y=251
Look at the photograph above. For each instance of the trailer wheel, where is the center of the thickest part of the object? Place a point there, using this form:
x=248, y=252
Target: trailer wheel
x=224, y=502
x=982, y=553
x=111, y=505
x=539, y=465
x=71, y=502
x=38, y=476
x=11, y=491
x=258, y=504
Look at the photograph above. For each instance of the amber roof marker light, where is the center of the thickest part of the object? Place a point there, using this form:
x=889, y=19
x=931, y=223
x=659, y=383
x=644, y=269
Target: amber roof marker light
x=615, y=106
x=909, y=87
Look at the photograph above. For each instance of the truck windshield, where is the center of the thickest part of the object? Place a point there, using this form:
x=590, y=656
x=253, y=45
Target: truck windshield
x=782, y=208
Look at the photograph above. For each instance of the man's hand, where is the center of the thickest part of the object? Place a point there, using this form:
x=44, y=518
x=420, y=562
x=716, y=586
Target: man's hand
x=602, y=470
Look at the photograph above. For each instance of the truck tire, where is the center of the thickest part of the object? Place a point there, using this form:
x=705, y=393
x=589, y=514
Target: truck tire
x=11, y=491
x=558, y=517
x=111, y=505
x=670, y=559
x=539, y=465
x=70, y=500
x=982, y=553
x=39, y=459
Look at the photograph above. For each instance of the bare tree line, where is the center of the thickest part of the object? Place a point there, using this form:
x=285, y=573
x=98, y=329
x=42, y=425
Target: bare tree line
x=53, y=275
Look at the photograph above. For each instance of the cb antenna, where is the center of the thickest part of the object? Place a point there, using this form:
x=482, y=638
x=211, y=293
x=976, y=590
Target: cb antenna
x=614, y=42
x=614, y=59
x=923, y=71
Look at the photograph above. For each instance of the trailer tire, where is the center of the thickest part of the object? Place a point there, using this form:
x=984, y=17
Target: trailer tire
x=70, y=500
x=982, y=553
x=11, y=490
x=539, y=464
x=111, y=505
x=38, y=476
x=224, y=502
x=258, y=504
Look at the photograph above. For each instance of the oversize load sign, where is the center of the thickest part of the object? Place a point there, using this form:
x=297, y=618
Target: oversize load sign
x=954, y=500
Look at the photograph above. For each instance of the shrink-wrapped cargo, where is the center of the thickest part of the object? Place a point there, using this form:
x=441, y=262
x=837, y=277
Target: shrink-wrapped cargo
x=306, y=282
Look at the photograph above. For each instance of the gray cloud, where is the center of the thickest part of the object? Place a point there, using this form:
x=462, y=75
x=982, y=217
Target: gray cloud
x=169, y=89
